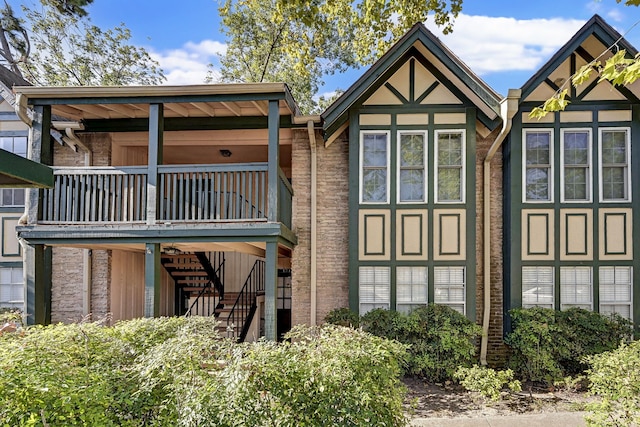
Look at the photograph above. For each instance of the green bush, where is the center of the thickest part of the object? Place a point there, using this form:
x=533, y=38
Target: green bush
x=177, y=371
x=615, y=377
x=548, y=345
x=343, y=317
x=439, y=339
x=486, y=381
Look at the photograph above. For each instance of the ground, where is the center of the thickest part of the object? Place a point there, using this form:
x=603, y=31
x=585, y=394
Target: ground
x=451, y=400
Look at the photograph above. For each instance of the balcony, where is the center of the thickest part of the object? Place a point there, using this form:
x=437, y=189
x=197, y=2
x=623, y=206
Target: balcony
x=225, y=193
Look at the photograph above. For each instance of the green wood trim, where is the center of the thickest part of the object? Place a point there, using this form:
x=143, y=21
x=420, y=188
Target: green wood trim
x=183, y=123
x=427, y=92
x=14, y=264
x=270, y=292
x=155, y=158
x=635, y=206
x=470, y=198
x=586, y=231
x=546, y=215
x=459, y=231
x=366, y=234
x=396, y=93
x=354, y=196
x=168, y=99
x=16, y=171
x=606, y=231
x=420, y=232
x=274, y=161
x=37, y=285
x=3, y=235
x=152, y=280
x=13, y=133
x=412, y=80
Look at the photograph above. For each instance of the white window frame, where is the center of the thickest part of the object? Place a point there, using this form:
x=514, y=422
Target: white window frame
x=589, y=189
x=424, y=166
x=610, y=303
x=524, y=164
x=436, y=167
x=553, y=286
x=13, y=304
x=361, y=163
x=565, y=305
x=411, y=303
x=388, y=284
x=627, y=130
x=451, y=303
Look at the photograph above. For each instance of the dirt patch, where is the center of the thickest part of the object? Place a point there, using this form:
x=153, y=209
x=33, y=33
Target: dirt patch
x=451, y=400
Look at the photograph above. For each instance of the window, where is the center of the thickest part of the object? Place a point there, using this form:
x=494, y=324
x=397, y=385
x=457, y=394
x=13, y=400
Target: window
x=448, y=287
x=576, y=284
x=537, y=287
x=615, y=181
x=615, y=291
x=538, y=166
x=16, y=145
x=450, y=166
x=411, y=167
x=11, y=288
x=374, y=165
x=411, y=288
x=576, y=165
x=374, y=283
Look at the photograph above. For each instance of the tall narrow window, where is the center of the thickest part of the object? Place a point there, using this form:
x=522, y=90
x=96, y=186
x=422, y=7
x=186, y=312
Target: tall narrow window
x=411, y=167
x=450, y=164
x=576, y=165
x=374, y=286
x=537, y=170
x=614, y=165
x=615, y=290
x=537, y=287
x=576, y=284
x=411, y=288
x=374, y=161
x=11, y=288
x=449, y=287
x=16, y=145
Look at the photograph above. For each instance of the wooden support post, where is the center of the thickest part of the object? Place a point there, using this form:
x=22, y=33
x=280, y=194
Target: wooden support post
x=37, y=290
x=274, y=160
x=39, y=151
x=156, y=133
x=270, y=289
x=152, y=282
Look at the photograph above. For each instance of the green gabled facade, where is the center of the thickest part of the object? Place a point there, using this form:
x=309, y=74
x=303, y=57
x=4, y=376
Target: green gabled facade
x=412, y=238
x=572, y=188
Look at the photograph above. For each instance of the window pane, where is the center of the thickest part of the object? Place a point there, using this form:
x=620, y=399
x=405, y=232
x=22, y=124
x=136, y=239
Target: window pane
x=374, y=288
x=374, y=185
x=412, y=185
x=411, y=150
x=450, y=149
x=615, y=290
x=537, y=287
x=449, y=287
x=537, y=184
x=575, y=183
x=576, y=148
x=449, y=184
x=411, y=284
x=614, y=147
x=375, y=150
x=537, y=148
x=613, y=183
x=576, y=287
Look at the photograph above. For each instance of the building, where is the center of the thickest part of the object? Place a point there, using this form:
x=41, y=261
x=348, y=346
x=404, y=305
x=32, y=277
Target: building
x=419, y=184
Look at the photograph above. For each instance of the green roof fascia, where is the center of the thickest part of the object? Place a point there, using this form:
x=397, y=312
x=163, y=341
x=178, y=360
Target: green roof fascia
x=337, y=113
x=182, y=123
x=18, y=172
x=596, y=26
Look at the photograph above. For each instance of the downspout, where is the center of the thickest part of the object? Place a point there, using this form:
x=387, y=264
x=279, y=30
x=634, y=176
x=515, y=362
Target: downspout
x=508, y=109
x=314, y=242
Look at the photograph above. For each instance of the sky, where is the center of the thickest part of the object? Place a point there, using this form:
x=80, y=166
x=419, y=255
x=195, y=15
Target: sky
x=503, y=41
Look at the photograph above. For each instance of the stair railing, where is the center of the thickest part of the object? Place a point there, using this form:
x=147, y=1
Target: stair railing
x=245, y=306
x=215, y=286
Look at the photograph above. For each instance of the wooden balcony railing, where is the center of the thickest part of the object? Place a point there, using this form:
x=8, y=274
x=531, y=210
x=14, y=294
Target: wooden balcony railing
x=185, y=193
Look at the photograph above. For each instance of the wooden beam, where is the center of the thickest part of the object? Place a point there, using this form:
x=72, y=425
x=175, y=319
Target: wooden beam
x=336, y=134
x=270, y=292
x=233, y=107
x=205, y=108
x=274, y=161
x=262, y=106
x=177, y=108
x=93, y=109
x=16, y=171
x=152, y=280
x=156, y=132
x=37, y=292
x=69, y=112
x=120, y=108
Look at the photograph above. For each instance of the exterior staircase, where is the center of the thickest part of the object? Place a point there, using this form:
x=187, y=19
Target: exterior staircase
x=199, y=279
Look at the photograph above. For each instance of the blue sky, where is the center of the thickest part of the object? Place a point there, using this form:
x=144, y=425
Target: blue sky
x=503, y=41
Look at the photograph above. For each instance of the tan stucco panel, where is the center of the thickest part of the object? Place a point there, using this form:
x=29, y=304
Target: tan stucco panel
x=449, y=118
x=412, y=119
x=400, y=80
x=615, y=231
x=423, y=80
x=411, y=234
x=375, y=119
x=576, y=234
x=541, y=93
x=374, y=235
x=13, y=126
x=575, y=116
x=614, y=116
x=441, y=95
x=604, y=92
x=549, y=118
x=449, y=243
x=383, y=96
x=11, y=250
x=537, y=234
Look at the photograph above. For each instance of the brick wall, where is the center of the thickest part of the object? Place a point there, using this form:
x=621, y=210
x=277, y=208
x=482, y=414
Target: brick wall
x=67, y=277
x=332, y=227
x=496, y=351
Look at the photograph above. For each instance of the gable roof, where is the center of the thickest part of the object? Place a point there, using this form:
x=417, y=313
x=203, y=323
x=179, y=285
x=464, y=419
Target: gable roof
x=477, y=91
x=603, y=32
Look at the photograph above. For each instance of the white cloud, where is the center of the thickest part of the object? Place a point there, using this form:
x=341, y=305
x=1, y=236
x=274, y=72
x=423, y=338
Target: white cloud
x=189, y=64
x=490, y=44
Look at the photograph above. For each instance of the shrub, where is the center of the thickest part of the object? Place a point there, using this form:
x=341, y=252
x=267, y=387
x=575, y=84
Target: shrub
x=615, y=377
x=343, y=317
x=179, y=372
x=486, y=381
x=439, y=339
x=549, y=345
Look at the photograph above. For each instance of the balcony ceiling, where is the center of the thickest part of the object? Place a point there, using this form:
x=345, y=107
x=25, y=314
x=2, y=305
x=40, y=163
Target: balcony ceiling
x=132, y=102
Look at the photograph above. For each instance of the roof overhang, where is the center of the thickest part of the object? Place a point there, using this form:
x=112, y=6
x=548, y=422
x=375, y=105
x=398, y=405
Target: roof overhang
x=16, y=171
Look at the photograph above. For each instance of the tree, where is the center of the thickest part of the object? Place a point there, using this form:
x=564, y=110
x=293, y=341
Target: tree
x=619, y=69
x=57, y=45
x=299, y=42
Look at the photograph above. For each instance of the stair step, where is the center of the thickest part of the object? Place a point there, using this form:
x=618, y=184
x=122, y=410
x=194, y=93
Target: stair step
x=183, y=265
x=192, y=281
x=179, y=256
x=197, y=288
x=188, y=273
